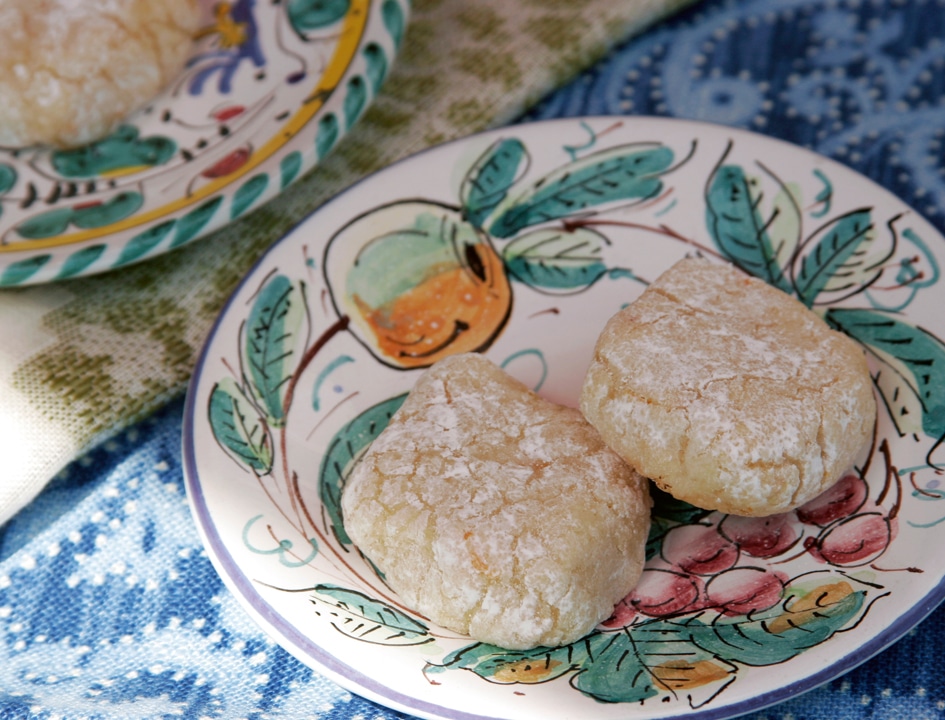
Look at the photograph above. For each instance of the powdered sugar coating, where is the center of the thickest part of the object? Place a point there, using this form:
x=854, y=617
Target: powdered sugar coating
x=71, y=69
x=728, y=393
x=496, y=513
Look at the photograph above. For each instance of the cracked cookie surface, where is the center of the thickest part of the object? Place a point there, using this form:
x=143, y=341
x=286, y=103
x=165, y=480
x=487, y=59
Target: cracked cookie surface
x=728, y=393
x=69, y=71
x=496, y=513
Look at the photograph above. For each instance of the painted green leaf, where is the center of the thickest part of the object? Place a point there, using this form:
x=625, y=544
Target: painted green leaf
x=327, y=135
x=95, y=215
x=306, y=15
x=489, y=179
x=632, y=665
x=376, y=62
x=521, y=666
x=740, y=231
x=7, y=177
x=238, y=428
x=394, y=20
x=785, y=222
x=841, y=258
x=80, y=260
x=289, y=168
x=911, y=374
x=628, y=172
x=343, y=450
x=784, y=631
x=364, y=618
x=617, y=673
x=143, y=243
x=272, y=333
x=22, y=270
x=557, y=260
x=122, y=150
x=111, y=211
x=355, y=100
x=194, y=221
x=646, y=661
x=247, y=194
x=47, y=224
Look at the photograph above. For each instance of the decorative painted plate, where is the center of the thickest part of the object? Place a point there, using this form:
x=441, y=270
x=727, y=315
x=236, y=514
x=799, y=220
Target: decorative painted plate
x=269, y=90
x=520, y=243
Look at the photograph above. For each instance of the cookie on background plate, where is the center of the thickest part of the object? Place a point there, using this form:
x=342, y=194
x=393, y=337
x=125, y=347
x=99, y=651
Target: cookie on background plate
x=70, y=71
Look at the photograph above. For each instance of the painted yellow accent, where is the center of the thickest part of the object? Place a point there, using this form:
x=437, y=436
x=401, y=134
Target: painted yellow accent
x=232, y=33
x=121, y=172
x=527, y=671
x=805, y=609
x=348, y=43
x=679, y=675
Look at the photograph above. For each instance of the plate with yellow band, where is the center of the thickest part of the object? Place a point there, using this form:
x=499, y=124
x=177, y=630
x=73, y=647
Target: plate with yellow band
x=268, y=91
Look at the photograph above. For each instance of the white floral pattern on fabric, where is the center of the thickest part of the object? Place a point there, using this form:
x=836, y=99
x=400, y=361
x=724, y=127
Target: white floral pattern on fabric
x=109, y=606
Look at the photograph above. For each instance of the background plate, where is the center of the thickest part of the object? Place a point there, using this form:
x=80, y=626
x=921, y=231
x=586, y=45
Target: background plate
x=269, y=90
x=559, y=224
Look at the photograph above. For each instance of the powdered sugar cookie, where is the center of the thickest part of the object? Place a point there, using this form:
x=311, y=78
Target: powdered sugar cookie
x=497, y=513
x=69, y=71
x=729, y=393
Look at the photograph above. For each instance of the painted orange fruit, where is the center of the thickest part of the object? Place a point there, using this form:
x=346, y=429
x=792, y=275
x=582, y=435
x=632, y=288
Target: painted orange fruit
x=419, y=283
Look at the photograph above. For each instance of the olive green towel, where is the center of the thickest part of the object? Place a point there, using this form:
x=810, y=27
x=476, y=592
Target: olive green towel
x=81, y=359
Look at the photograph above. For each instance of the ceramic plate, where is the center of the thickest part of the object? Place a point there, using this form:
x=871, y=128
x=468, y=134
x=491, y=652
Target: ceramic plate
x=558, y=225
x=269, y=90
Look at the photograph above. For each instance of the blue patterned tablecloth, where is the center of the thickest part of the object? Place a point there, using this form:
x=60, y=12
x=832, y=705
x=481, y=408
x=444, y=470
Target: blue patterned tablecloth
x=109, y=606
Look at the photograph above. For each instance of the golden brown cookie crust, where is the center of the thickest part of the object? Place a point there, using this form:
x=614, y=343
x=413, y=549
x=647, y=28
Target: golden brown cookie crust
x=496, y=513
x=70, y=70
x=728, y=393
